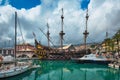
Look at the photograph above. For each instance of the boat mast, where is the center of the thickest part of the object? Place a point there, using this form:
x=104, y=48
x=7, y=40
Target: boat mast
x=48, y=35
x=15, y=34
x=86, y=32
x=62, y=33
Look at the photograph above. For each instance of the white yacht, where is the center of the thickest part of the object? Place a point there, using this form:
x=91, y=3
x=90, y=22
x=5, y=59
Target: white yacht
x=12, y=70
x=92, y=58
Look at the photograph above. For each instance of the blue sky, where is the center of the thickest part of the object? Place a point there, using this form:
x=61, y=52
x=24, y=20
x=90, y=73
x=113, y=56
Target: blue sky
x=27, y=4
x=84, y=4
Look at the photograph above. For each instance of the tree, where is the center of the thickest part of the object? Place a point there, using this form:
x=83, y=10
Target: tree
x=107, y=44
x=112, y=44
x=117, y=38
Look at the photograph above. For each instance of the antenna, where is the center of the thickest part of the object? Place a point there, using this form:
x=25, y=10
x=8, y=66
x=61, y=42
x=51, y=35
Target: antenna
x=86, y=32
x=62, y=33
x=106, y=34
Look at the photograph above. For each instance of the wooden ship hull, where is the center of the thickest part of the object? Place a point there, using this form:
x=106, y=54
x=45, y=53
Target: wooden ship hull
x=48, y=53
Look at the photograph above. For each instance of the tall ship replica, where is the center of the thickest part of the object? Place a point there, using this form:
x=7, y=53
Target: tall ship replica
x=62, y=53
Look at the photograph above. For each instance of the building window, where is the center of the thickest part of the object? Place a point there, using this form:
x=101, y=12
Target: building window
x=4, y=51
x=0, y=51
x=9, y=51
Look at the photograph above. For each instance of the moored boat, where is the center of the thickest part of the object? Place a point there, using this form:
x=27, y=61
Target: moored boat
x=111, y=65
x=115, y=65
x=92, y=58
x=8, y=70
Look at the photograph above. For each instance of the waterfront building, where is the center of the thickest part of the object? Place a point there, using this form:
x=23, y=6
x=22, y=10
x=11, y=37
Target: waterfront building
x=25, y=50
x=7, y=51
x=112, y=44
x=110, y=47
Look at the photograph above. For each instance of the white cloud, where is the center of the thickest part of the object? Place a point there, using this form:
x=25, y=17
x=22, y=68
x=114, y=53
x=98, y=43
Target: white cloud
x=100, y=19
x=104, y=14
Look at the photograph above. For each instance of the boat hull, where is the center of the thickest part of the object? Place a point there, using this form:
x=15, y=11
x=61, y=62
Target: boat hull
x=13, y=72
x=92, y=61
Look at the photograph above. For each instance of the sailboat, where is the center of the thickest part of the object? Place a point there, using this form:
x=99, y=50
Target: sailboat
x=16, y=68
x=47, y=52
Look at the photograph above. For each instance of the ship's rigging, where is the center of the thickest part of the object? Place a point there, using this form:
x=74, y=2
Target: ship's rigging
x=62, y=33
x=45, y=52
x=86, y=33
x=21, y=31
x=48, y=36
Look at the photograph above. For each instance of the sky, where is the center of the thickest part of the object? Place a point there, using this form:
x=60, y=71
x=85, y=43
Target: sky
x=35, y=14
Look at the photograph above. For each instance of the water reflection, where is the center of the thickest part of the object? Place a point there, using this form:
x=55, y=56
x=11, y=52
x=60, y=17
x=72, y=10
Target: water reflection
x=67, y=70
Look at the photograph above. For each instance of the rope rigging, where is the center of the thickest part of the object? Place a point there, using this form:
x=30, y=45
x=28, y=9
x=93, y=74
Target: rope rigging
x=21, y=31
x=46, y=36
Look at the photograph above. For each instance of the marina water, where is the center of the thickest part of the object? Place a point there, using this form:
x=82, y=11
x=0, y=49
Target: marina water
x=68, y=70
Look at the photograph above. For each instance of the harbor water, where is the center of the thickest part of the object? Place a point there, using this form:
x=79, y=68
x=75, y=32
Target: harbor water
x=68, y=70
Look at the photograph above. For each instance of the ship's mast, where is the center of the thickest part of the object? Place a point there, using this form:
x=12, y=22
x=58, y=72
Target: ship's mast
x=86, y=32
x=48, y=35
x=15, y=35
x=62, y=33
